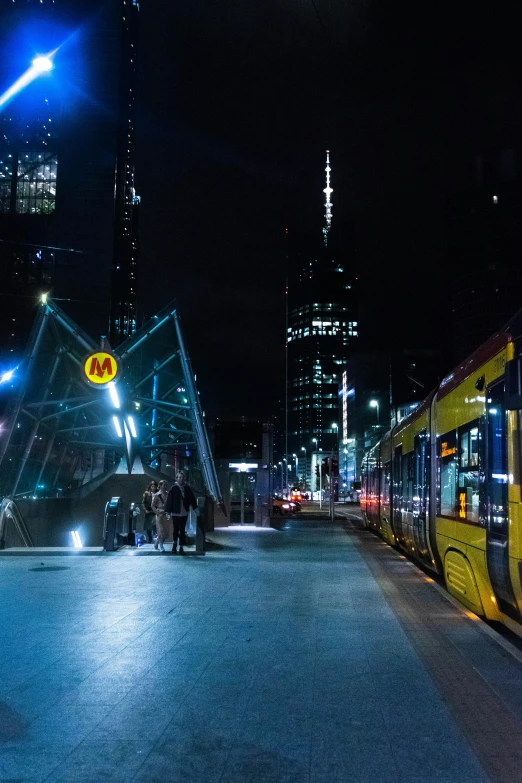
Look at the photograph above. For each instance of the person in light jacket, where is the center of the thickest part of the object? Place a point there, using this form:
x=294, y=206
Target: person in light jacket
x=163, y=522
x=179, y=502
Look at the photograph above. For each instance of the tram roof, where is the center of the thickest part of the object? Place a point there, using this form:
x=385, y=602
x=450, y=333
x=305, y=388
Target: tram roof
x=511, y=330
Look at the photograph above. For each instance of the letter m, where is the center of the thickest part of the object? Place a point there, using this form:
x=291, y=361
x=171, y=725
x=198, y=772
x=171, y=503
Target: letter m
x=100, y=369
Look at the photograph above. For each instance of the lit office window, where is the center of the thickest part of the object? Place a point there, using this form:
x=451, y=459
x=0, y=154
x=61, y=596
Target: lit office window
x=36, y=183
x=6, y=178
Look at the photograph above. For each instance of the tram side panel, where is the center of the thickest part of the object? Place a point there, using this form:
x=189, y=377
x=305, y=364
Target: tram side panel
x=411, y=485
x=376, y=489
x=513, y=378
x=463, y=448
x=369, y=500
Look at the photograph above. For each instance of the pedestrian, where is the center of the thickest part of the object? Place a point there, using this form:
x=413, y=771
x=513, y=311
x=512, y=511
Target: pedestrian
x=149, y=525
x=179, y=502
x=163, y=521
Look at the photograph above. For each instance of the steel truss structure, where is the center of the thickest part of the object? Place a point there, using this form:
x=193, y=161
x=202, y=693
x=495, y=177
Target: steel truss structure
x=57, y=425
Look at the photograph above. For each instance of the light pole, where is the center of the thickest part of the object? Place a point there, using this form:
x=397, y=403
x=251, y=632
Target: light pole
x=314, y=440
x=375, y=404
x=345, y=467
x=284, y=483
x=280, y=463
x=296, y=468
x=335, y=427
x=306, y=466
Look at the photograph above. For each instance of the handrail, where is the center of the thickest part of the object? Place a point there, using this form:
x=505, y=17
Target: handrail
x=9, y=512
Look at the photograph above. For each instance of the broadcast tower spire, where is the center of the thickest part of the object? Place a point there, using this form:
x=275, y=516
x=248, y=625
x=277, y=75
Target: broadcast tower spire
x=328, y=205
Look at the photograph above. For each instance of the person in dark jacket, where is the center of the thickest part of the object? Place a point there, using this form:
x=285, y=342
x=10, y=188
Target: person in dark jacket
x=179, y=502
x=149, y=525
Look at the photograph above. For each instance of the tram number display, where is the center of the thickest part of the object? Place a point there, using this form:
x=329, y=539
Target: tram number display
x=100, y=368
x=447, y=449
x=500, y=363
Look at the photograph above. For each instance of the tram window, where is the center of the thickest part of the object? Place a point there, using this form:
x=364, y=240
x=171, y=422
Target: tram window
x=469, y=496
x=464, y=450
x=469, y=448
x=517, y=446
x=468, y=484
x=410, y=486
x=448, y=464
x=420, y=472
x=387, y=479
x=397, y=479
x=497, y=461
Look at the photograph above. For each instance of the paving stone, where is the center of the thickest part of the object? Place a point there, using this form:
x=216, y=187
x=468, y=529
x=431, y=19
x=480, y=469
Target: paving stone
x=312, y=654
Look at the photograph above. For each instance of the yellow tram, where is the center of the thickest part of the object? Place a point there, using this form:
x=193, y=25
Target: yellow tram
x=444, y=485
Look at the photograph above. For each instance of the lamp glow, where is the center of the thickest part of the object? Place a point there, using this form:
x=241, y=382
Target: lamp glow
x=76, y=539
x=42, y=64
x=7, y=375
x=117, y=427
x=132, y=427
x=114, y=395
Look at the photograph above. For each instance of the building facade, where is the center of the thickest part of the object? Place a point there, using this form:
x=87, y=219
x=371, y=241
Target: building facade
x=322, y=331
x=484, y=250
x=68, y=205
x=376, y=390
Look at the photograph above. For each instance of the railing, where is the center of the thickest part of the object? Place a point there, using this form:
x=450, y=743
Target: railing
x=9, y=512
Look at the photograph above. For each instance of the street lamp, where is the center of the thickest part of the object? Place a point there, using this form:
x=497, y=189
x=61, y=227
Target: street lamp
x=280, y=463
x=335, y=427
x=296, y=467
x=306, y=466
x=375, y=404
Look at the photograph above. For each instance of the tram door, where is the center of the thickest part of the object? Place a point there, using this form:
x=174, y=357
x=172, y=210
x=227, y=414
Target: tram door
x=497, y=546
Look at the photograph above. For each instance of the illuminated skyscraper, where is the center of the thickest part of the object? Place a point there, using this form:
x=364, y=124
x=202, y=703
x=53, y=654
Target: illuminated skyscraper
x=68, y=204
x=322, y=329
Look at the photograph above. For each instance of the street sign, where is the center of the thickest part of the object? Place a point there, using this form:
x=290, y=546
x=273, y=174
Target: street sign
x=100, y=368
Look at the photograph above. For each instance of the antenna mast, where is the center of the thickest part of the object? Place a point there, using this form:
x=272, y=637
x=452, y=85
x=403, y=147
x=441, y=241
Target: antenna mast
x=328, y=205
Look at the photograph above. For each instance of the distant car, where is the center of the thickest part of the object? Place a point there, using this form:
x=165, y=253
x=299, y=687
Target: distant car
x=281, y=506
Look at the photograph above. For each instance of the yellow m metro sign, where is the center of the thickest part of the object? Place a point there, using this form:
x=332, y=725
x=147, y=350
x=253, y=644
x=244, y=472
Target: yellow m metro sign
x=100, y=368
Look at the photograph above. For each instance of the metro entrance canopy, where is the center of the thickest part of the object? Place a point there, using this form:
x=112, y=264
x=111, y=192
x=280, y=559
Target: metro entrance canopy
x=75, y=402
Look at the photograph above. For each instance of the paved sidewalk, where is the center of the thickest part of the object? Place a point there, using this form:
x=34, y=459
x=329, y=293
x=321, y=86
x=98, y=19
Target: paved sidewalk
x=310, y=654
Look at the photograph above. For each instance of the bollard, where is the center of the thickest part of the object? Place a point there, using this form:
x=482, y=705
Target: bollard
x=200, y=527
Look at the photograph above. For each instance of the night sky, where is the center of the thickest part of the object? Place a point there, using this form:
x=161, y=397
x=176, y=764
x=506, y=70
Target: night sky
x=239, y=101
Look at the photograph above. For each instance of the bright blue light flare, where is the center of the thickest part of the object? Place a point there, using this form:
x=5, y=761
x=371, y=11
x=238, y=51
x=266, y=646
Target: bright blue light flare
x=41, y=65
x=6, y=376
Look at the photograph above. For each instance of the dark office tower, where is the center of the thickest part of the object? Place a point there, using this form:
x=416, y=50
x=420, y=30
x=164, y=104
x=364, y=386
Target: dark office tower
x=123, y=288
x=484, y=251
x=68, y=208
x=321, y=330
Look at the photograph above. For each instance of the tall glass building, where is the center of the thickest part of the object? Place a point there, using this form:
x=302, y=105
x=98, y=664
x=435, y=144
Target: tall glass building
x=68, y=204
x=322, y=330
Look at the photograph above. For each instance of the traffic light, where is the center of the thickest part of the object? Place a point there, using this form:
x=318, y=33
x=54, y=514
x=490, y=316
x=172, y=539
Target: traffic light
x=324, y=466
x=335, y=467
x=317, y=471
